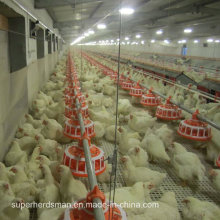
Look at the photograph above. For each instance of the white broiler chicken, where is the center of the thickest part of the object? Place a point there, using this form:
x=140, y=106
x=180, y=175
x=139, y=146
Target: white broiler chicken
x=126, y=141
x=155, y=148
x=32, y=167
x=165, y=134
x=196, y=209
x=215, y=178
x=140, y=123
x=36, y=123
x=110, y=133
x=16, y=210
x=27, y=144
x=102, y=116
x=99, y=129
x=53, y=214
x=52, y=129
x=70, y=188
x=124, y=106
x=134, y=174
x=5, y=174
x=27, y=129
x=187, y=165
x=49, y=190
x=109, y=90
x=138, y=156
x=15, y=155
x=138, y=193
x=105, y=176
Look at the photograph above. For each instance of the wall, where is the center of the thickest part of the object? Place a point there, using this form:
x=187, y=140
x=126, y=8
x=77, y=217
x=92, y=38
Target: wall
x=19, y=88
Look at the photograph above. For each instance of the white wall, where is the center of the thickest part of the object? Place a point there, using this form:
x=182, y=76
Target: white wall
x=18, y=89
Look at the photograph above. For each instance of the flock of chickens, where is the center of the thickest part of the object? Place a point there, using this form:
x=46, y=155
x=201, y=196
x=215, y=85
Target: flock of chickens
x=33, y=172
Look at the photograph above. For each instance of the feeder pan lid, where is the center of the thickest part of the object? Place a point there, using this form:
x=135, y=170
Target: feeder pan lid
x=150, y=99
x=86, y=213
x=74, y=158
x=72, y=128
x=168, y=111
x=194, y=129
x=136, y=90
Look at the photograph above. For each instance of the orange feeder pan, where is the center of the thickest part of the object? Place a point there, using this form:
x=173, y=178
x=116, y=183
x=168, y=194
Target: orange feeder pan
x=126, y=85
x=83, y=210
x=70, y=99
x=136, y=90
x=168, y=111
x=150, y=99
x=114, y=77
x=73, y=131
x=218, y=161
x=74, y=158
x=72, y=111
x=194, y=129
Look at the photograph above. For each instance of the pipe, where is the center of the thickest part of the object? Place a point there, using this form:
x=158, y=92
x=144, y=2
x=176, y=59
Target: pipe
x=98, y=211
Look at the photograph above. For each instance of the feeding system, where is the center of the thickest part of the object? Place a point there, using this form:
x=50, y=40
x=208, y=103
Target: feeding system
x=150, y=99
x=87, y=160
x=168, y=111
x=136, y=90
x=74, y=158
x=194, y=129
x=115, y=212
x=127, y=84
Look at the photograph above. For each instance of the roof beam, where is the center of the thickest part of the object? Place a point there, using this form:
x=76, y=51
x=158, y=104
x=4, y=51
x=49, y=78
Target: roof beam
x=39, y=4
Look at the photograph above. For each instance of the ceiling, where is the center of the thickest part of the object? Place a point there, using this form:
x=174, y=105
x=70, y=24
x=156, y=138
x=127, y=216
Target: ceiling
x=74, y=17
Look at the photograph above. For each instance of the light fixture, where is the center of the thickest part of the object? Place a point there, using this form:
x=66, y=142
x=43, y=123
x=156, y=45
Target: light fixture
x=187, y=30
x=159, y=32
x=166, y=41
x=128, y=42
x=181, y=41
x=126, y=38
x=123, y=42
x=86, y=34
x=101, y=26
x=118, y=39
x=138, y=36
x=152, y=41
x=142, y=42
x=196, y=41
x=126, y=11
x=91, y=32
x=210, y=40
x=217, y=41
x=112, y=40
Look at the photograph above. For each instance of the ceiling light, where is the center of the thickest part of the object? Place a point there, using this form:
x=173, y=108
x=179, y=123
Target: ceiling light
x=142, y=42
x=118, y=39
x=123, y=42
x=217, y=41
x=210, y=40
x=166, y=41
x=159, y=32
x=91, y=32
x=86, y=34
x=152, y=41
x=126, y=38
x=126, y=11
x=101, y=26
x=112, y=40
x=181, y=41
x=187, y=30
x=128, y=42
x=196, y=41
x=138, y=36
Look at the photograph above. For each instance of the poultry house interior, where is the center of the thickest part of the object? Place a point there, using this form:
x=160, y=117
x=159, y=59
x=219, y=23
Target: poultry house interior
x=109, y=110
